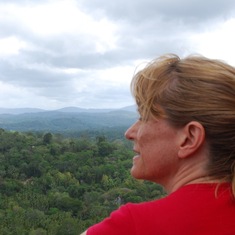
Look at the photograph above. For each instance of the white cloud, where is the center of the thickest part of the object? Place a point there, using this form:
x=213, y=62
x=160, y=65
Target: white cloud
x=10, y=46
x=217, y=43
x=62, y=17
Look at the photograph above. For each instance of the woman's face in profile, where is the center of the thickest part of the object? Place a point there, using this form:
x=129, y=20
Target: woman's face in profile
x=155, y=144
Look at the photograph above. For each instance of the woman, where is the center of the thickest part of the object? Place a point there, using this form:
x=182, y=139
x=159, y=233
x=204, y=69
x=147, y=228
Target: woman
x=185, y=141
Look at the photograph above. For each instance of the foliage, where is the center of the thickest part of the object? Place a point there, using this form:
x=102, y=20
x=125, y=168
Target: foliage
x=55, y=185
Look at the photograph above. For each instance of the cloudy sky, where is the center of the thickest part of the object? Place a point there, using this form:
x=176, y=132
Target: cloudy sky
x=60, y=53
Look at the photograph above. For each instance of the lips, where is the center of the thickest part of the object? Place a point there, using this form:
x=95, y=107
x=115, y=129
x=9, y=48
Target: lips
x=136, y=151
x=136, y=157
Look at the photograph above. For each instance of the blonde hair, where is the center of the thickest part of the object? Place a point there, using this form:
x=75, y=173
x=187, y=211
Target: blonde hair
x=193, y=89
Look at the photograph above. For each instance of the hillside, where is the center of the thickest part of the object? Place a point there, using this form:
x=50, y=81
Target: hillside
x=68, y=120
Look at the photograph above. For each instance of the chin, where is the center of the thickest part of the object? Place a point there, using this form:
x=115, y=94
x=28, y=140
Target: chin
x=137, y=175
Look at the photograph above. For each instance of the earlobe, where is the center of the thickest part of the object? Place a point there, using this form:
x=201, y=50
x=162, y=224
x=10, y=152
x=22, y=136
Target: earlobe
x=192, y=138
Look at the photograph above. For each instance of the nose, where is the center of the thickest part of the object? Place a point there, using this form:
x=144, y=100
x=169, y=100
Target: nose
x=131, y=131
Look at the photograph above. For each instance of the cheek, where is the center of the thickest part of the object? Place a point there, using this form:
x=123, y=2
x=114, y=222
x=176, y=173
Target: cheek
x=157, y=152
x=151, y=154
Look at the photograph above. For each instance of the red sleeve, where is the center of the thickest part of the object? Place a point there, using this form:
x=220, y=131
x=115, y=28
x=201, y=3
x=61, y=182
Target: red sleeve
x=119, y=222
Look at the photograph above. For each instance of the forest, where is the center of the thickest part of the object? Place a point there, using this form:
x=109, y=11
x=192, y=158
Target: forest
x=56, y=185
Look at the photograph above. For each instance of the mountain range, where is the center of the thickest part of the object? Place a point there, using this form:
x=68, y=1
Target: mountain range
x=66, y=109
x=66, y=120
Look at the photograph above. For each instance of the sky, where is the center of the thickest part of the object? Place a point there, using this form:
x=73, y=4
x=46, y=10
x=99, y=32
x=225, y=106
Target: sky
x=84, y=53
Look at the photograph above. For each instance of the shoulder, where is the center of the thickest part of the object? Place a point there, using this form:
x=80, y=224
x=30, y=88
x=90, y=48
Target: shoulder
x=183, y=196
x=153, y=217
x=159, y=202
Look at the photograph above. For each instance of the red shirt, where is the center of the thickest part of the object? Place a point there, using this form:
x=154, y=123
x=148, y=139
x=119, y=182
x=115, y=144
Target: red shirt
x=196, y=209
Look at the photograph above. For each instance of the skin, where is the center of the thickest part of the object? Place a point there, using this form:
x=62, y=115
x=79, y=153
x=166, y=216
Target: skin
x=167, y=155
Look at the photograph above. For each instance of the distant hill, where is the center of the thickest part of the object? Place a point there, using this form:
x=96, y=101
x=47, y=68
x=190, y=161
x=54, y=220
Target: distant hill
x=20, y=110
x=65, y=110
x=132, y=108
x=67, y=120
x=81, y=110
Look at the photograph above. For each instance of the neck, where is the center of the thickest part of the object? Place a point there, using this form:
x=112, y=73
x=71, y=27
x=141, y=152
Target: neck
x=188, y=174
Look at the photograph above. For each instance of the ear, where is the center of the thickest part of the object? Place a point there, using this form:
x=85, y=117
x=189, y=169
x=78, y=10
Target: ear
x=192, y=138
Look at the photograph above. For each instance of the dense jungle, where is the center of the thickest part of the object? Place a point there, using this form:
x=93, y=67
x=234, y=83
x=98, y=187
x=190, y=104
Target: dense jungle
x=56, y=185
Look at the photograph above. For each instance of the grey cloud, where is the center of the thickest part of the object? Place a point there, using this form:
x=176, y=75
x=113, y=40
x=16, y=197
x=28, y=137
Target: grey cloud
x=56, y=57
x=142, y=10
x=149, y=28
x=43, y=83
x=30, y=2
x=26, y=76
x=145, y=39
